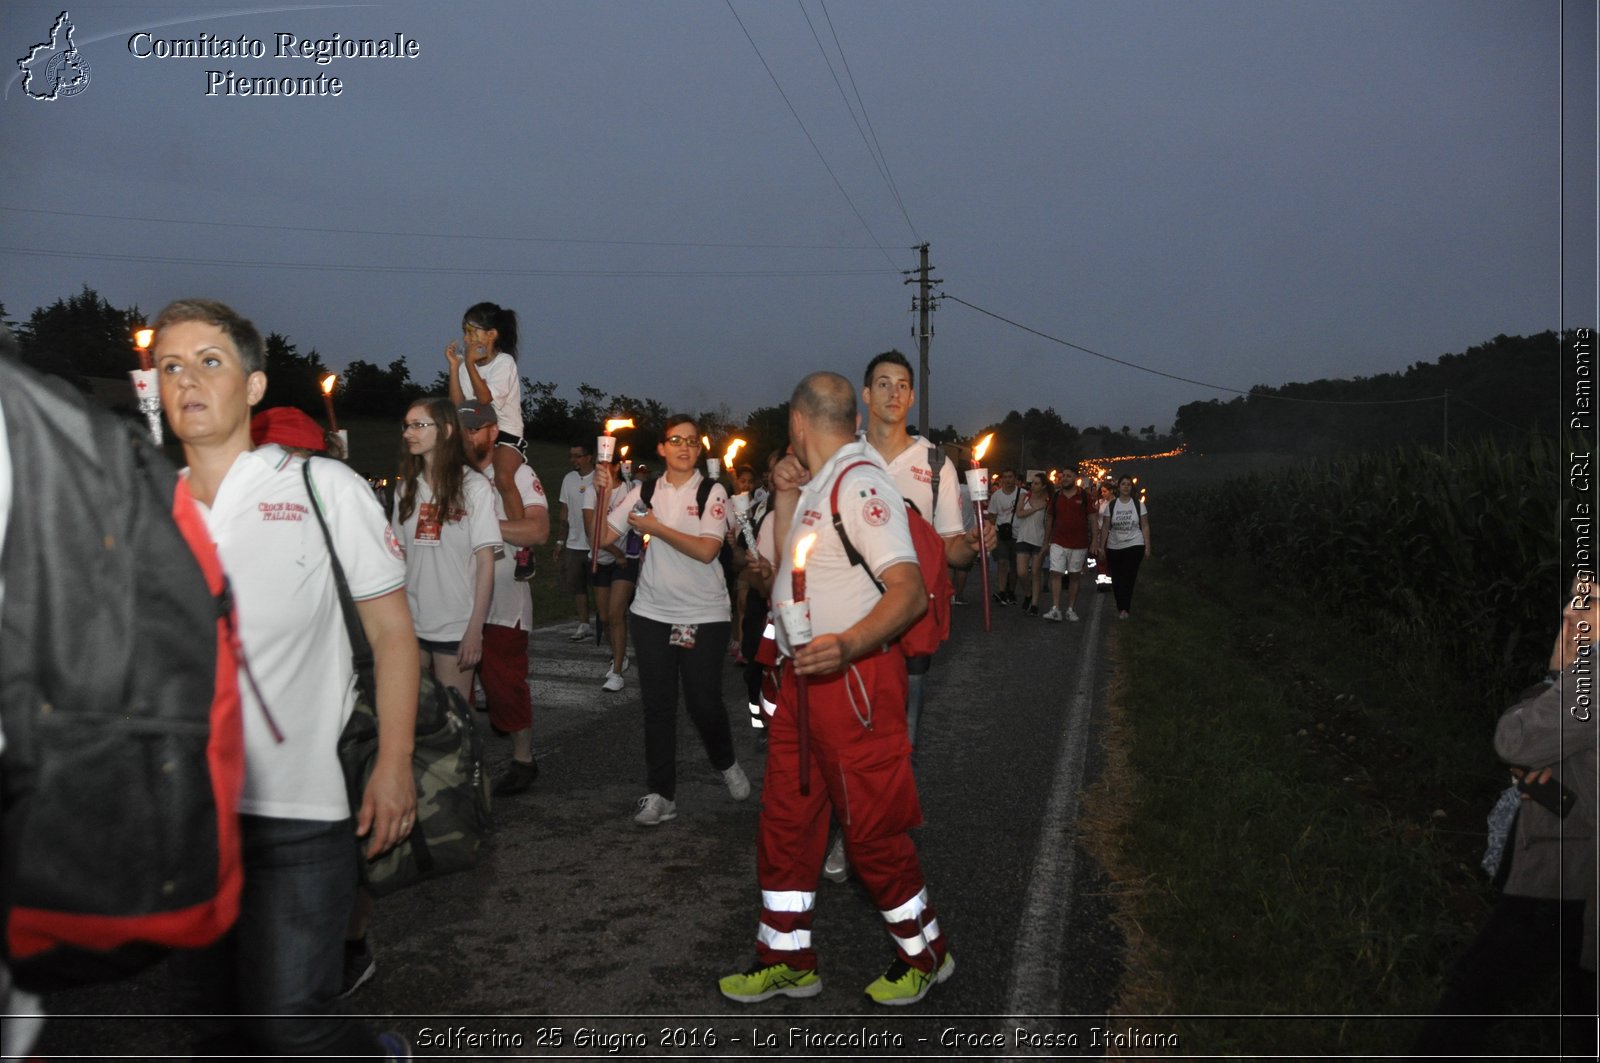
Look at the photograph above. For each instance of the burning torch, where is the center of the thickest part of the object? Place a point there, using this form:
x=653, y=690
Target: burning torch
x=796, y=617
x=978, y=484
x=144, y=383
x=604, y=449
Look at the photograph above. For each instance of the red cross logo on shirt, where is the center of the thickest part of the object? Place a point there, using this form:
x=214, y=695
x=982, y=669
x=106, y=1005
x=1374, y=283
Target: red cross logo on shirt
x=875, y=512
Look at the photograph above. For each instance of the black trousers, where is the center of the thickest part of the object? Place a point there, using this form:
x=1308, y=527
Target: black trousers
x=1527, y=945
x=663, y=669
x=1124, y=566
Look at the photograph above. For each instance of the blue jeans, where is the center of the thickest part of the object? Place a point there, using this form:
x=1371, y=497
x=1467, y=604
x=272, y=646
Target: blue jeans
x=271, y=982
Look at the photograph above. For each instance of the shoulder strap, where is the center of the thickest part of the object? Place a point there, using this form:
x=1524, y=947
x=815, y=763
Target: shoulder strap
x=703, y=493
x=850, y=552
x=936, y=464
x=647, y=491
x=360, y=648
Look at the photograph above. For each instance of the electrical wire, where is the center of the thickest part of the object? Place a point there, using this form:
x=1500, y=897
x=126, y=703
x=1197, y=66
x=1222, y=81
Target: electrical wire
x=1188, y=380
x=807, y=132
x=475, y=237
x=443, y=270
x=893, y=185
x=878, y=162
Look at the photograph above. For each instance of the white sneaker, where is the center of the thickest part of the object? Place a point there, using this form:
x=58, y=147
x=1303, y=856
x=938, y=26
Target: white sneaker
x=584, y=632
x=613, y=682
x=655, y=810
x=1072, y=615
x=738, y=782
x=626, y=660
x=836, y=868
x=1053, y=614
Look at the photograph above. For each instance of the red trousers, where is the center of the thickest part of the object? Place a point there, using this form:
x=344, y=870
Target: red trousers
x=861, y=773
x=504, y=673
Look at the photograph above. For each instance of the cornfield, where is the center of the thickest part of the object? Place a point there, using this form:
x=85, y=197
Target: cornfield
x=1458, y=555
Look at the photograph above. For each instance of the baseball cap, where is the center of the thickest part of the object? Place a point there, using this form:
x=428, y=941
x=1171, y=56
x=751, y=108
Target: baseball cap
x=288, y=427
x=476, y=415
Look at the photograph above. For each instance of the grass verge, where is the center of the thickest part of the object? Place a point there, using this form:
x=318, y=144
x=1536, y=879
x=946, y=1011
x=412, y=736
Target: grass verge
x=1291, y=816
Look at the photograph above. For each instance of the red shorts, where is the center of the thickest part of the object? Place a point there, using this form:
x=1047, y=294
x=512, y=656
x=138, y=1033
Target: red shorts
x=504, y=673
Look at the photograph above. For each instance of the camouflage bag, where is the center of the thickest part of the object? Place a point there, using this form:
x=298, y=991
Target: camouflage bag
x=446, y=762
x=452, y=787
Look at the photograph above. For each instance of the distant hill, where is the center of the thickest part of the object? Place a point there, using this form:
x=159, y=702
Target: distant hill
x=1504, y=388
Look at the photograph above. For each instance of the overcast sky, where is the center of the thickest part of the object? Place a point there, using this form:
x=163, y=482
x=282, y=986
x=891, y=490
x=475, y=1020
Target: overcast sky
x=1236, y=191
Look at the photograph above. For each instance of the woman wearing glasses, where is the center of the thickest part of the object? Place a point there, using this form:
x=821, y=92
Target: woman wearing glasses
x=680, y=623
x=445, y=517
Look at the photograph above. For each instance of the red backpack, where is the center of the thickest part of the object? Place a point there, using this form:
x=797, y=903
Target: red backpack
x=929, y=631
x=119, y=701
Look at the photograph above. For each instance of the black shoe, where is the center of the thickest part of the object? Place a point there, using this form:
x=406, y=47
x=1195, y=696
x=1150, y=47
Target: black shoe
x=999, y=598
x=525, y=565
x=518, y=778
x=359, y=967
x=1033, y=610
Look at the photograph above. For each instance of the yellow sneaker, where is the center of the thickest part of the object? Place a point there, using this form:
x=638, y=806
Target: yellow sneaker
x=763, y=983
x=904, y=984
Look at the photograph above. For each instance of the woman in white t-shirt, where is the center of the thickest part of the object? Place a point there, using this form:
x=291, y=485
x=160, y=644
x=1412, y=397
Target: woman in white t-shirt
x=680, y=619
x=444, y=515
x=1028, y=528
x=1124, y=541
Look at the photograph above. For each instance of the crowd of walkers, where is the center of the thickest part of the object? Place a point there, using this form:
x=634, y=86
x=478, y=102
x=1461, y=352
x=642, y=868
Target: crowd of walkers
x=683, y=576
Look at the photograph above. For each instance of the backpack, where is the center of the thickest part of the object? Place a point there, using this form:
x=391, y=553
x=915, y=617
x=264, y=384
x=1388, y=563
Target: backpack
x=929, y=631
x=119, y=701
x=647, y=491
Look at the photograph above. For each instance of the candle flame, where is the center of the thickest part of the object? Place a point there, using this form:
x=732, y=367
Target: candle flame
x=623, y=452
x=803, y=548
x=705, y=441
x=618, y=422
x=733, y=449
x=143, y=338
x=328, y=382
x=983, y=447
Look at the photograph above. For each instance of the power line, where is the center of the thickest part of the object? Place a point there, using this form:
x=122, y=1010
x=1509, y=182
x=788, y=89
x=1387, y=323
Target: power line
x=475, y=237
x=807, y=132
x=1188, y=380
x=881, y=164
x=893, y=186
x=443, y=270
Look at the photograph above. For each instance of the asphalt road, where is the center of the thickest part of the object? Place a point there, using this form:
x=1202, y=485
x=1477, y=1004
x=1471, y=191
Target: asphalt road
x=583, y=934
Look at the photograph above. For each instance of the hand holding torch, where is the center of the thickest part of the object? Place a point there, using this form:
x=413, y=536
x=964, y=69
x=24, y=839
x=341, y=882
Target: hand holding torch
x=978, y=484
x=604, y=449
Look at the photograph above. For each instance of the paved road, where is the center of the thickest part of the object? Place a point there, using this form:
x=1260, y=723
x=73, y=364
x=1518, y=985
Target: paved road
x=581, y=922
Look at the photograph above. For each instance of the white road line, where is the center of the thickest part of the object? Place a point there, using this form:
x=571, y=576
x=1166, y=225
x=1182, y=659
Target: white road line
x=1036, y=961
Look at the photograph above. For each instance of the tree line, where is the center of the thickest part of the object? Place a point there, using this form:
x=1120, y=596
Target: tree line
x=1502, y=390
x=83, y=337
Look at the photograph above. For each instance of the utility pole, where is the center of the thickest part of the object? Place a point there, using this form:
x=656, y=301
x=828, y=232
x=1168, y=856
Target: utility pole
x=923, y=304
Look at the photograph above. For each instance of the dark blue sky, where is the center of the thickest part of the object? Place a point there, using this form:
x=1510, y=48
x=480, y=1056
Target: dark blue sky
x=1245, y=192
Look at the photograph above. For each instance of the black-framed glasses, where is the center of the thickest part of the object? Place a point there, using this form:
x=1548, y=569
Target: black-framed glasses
x=416, y=426
x=681, y=441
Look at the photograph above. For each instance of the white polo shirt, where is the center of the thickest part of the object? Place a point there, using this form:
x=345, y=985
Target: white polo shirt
x=576, y=491
x=673, y=587
x=512, y=605
x=913, y=478
x=439, y=562
x=874, y=516
x=290, y=623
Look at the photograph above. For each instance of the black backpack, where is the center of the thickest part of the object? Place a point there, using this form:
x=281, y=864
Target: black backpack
x=647, y=491
x=124, y=752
